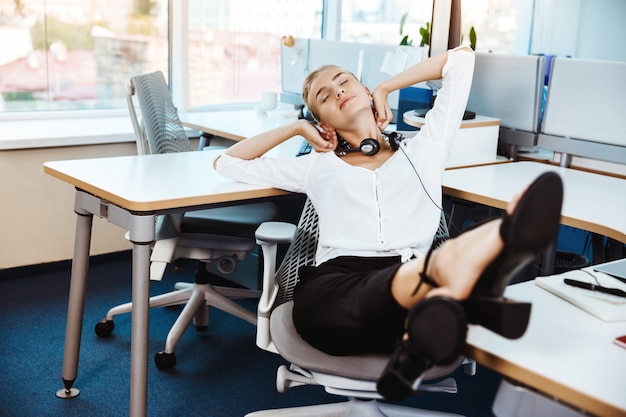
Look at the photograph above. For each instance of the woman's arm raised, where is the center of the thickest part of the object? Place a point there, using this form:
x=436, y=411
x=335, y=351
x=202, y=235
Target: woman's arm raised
x=427, y=70
x=255, y=146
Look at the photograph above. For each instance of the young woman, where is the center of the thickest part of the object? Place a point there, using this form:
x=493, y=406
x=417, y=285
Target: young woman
x=379, y=202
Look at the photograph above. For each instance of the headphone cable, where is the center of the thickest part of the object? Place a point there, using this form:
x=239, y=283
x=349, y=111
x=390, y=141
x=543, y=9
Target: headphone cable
x=420, y=179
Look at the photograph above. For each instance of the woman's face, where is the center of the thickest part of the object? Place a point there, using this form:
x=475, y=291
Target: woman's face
x=337, y=96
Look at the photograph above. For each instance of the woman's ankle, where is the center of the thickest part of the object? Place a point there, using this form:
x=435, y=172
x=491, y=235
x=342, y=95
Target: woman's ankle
x=460, y=261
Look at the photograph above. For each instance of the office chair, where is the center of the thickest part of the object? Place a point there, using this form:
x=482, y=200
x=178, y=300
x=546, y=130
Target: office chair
x=222, y=235
x=351, y=376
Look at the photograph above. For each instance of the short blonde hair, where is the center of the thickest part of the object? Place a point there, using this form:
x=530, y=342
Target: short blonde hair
x=306, y=86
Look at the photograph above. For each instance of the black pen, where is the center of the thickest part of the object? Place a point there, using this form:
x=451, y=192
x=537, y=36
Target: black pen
x=593, y=287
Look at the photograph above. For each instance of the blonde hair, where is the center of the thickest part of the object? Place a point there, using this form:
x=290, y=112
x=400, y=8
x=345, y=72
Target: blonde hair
x=306, y=86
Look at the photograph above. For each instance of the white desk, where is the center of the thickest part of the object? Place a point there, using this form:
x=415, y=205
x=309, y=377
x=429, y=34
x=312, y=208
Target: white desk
x=566, y=353
x=591, y=202
x=238, y=124
x=129, y=192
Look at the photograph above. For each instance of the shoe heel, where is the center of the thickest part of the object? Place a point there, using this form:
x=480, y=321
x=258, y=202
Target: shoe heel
x=401, y=375
x=436, y=329
x=508, y=318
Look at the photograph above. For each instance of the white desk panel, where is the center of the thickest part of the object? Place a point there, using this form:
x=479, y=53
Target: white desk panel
x=184, y=180
x=238, y=124
x=591, y=202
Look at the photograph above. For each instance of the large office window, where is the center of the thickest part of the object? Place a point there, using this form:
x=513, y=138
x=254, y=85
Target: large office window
x=234, y=46
x=66, y=56
x=501, y=26
x=384, y=21
x=76, y=54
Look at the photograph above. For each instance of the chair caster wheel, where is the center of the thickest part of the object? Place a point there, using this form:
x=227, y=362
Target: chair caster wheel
x=104, y=328
x=165, y=361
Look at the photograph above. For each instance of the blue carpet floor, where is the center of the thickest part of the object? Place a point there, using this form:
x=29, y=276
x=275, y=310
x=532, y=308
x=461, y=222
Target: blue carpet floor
x=220, y=372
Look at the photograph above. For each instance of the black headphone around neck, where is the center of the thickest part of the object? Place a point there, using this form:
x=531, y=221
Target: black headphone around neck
x=370, y=146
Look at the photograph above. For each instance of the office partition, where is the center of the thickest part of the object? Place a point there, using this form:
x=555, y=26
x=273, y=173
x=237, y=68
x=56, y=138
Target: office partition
x=585, y=109
x=510, y=88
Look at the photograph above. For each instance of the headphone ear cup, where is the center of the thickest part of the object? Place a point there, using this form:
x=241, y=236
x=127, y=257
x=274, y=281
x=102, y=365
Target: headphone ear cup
x=394, y=140
x=369, y=146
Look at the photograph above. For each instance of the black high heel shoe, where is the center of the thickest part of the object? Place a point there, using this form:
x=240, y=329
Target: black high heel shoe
x=526, y=234
x=436, y=329
x=437, y=326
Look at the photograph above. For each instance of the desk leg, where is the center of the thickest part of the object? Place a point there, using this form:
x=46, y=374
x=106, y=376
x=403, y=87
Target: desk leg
x=76, y=304
x=141, y=235
x=597, y=249
x=548, y=260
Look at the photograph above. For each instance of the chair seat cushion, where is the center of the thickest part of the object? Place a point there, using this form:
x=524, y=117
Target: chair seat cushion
x=364, y=367
x=239, y=220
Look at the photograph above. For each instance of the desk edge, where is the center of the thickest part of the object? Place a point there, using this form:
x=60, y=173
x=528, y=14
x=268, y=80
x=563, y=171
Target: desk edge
x=153, y=206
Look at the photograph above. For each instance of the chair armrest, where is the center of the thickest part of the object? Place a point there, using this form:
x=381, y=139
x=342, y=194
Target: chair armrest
x=268, y=236
x=275, y=232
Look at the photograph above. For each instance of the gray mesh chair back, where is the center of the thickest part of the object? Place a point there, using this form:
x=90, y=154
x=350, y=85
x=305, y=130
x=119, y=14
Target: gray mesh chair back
x=163, y=129
x=301, y=252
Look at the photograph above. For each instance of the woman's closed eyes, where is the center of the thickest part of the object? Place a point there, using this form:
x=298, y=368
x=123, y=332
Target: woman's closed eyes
x=341, y=83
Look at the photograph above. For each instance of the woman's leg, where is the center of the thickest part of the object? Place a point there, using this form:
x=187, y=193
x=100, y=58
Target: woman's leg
x=473, y=268
x=455, y=266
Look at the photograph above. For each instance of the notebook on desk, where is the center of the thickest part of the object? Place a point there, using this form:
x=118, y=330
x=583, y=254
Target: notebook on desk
x=606, y=307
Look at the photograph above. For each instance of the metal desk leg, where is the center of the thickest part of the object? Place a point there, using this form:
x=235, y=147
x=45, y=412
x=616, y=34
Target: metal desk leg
x=76, y=304
x=141, y=234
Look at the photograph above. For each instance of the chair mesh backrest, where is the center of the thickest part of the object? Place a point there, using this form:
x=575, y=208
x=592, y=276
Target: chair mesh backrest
x=442, y=232
x=302, y=251
x=159, y=116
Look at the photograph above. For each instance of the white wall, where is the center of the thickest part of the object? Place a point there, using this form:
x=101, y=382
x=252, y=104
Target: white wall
x=36, y=210
x=602, y=30
x=587, y=29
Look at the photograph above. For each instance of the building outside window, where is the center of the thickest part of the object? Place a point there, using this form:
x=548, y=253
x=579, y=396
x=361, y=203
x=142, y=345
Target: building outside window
x=234, y=46
x=501, y=26
x=68, y=55
x=76, y=55
x=381, y=21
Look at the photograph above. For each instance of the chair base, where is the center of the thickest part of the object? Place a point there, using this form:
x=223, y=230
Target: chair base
x=197, y=298
x=200, y=296
x=351, y=408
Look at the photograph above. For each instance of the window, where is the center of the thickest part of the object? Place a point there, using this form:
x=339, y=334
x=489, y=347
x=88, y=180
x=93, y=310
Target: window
x=379, y=21
x=234, y=46
x=501, y=26
x=60, y=57
x=75, y=54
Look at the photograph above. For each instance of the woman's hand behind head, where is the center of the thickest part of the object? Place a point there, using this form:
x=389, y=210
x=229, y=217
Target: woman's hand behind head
x=382, y=111
x=322, y=139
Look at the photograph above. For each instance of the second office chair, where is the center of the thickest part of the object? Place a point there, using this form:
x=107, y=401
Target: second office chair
x=222, y=235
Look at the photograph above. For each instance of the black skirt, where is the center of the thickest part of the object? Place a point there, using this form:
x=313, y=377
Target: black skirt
x=345, y=307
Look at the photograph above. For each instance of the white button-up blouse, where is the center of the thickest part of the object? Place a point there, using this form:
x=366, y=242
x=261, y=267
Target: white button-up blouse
x=383, y=212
